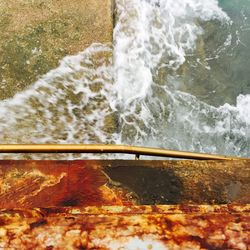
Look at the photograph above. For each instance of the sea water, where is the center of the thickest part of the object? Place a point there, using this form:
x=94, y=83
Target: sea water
x=179, y=79
x=182, y=74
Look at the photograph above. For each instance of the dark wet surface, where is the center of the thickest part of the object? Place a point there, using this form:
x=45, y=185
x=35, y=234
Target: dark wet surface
x=152, y=185
x=182, y=182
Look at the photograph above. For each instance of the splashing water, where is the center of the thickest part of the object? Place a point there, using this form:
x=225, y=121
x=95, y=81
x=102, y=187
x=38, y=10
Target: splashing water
x=157, y=45
x=67, y=105
x=162, y=89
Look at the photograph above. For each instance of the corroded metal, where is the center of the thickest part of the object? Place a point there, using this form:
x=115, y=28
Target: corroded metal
x=145, y=227
x=114, y=182
x=90, y=204
x=82, y=148
x=184, y=181
x=27, y=184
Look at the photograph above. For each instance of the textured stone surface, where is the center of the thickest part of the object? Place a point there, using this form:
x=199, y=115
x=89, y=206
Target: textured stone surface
x=35, y=35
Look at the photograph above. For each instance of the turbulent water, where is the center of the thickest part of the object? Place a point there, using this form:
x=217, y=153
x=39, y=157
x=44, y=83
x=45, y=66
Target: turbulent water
x=179, y=79
x=181, y=67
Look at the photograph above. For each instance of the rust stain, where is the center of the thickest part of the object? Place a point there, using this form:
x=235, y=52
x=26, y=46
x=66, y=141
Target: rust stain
x=27, y=184
x=75, y=205
x=133, y=227
x=86, y=182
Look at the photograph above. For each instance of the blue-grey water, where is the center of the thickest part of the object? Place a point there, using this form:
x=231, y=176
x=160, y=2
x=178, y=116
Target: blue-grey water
x=228, y=74
x=186, y=65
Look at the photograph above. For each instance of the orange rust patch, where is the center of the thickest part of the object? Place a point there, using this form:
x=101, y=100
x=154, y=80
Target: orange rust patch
x=54, y=183
x=64, y=191
x=121, y=227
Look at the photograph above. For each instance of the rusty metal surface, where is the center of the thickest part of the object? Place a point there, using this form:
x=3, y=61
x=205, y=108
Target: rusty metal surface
x=98, y=205
x=88, y=182
x=27, y=184
x=184, y=181
x=143, y=227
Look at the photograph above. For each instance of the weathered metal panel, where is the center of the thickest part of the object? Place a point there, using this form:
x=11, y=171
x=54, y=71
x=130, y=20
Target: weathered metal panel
x=27, y=184
x=183, y=181
x=114, y=182
x=143, y=227
x=92, y=204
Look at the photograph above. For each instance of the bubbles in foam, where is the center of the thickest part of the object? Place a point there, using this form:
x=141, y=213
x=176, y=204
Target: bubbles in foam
x=86, y=100
x=197, y=126
x=67, y=105
x=151, y=34
x=152, y=40
x=243, y=105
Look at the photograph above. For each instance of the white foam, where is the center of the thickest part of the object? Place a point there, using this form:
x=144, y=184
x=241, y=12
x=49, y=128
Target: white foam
x=151, y=36
x=243, y=106
x=152, y=40
x=155, y=33
x=62, y=107
x=196, y=126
